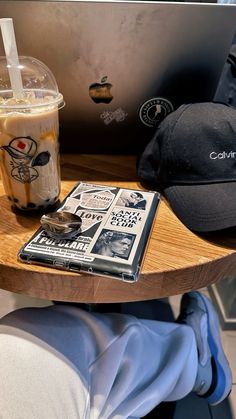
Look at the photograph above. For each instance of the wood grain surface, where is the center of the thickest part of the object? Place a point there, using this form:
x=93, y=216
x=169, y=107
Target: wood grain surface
x=176, y=261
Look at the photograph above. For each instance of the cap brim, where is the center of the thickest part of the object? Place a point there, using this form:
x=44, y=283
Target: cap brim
x=204, y=208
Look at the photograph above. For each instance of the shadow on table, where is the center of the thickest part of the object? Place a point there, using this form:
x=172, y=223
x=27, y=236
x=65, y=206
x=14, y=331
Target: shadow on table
x=224, y=238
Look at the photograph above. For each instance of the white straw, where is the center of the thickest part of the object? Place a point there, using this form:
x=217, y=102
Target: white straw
x=9, y=42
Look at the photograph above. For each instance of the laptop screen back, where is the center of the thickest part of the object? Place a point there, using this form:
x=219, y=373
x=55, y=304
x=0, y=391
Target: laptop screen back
x=122, y=66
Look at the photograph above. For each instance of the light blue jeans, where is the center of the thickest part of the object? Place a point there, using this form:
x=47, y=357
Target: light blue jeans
x=62, y=362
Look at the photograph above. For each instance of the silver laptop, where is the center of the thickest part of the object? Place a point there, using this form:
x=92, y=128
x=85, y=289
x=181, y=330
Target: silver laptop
x=123, y=66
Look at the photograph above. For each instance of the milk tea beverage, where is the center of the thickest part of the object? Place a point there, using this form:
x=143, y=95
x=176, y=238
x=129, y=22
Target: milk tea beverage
x=29, y=158
x=29, y=129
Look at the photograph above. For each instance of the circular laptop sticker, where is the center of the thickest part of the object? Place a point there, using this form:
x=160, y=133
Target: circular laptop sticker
x=154, y=110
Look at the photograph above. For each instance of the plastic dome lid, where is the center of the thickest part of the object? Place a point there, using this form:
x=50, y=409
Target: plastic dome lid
x=39, y=86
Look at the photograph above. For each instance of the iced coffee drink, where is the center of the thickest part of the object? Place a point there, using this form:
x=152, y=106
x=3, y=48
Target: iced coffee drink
x=29, y=147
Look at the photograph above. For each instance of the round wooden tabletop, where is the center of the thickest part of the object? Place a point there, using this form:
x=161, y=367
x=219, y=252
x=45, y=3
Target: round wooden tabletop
x=176, y=261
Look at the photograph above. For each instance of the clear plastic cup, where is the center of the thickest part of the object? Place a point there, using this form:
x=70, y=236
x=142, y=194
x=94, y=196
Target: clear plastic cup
x=29, y=129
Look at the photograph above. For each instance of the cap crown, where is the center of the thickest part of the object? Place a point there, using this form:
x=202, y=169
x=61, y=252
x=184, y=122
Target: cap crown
x=198, y=145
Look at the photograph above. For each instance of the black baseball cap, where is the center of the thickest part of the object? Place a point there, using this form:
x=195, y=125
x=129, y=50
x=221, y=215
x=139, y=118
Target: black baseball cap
x=192, y=158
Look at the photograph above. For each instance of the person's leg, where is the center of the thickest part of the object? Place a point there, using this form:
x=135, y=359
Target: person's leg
x=62, y=362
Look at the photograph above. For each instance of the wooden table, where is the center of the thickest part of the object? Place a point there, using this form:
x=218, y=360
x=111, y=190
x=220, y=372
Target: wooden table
x=176, y=261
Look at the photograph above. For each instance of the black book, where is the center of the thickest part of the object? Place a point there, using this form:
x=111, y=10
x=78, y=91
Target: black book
x=116, y=226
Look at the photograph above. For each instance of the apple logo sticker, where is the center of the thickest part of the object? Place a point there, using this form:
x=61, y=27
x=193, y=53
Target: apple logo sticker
x=101, y=92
